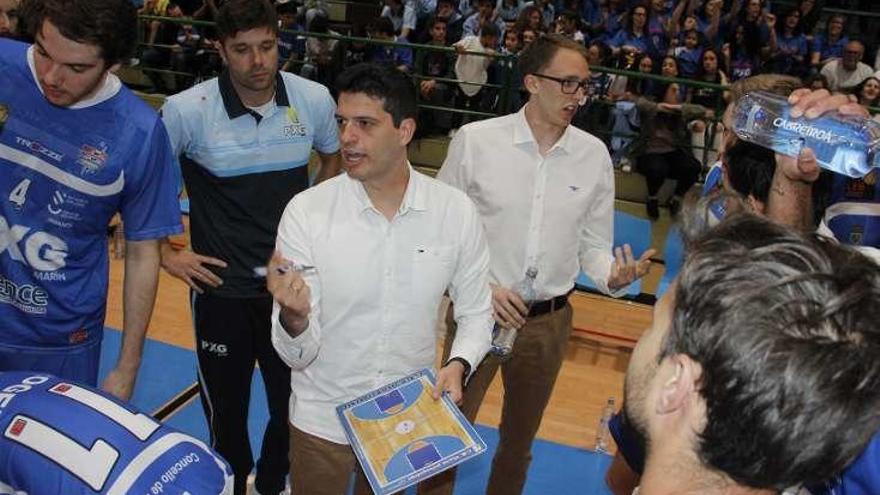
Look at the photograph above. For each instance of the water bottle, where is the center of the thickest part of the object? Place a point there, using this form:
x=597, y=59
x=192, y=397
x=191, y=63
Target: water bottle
x=847, y=145
x=503, y=338
x=603, y=434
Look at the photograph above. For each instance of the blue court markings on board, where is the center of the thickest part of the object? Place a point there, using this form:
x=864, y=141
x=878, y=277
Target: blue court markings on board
x=391, y=403
x=166, y=370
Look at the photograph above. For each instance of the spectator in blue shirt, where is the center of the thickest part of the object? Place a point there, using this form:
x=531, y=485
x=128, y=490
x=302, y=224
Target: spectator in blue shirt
x=397, y=56
x=829, y=45
x=291, y=44
x=789, y=52
x=634, y=37
x=508, y=10
x=688, y=56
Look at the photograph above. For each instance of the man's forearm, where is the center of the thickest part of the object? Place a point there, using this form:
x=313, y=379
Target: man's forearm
x=139, y=296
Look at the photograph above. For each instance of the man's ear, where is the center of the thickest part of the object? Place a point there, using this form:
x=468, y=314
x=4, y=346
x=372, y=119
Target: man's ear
x=407, y=130
x=679, y=381
x=530, y=82
x=220, y=49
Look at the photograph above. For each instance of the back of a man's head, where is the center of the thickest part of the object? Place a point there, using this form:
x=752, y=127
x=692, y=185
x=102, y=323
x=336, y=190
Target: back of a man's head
x=785, y=330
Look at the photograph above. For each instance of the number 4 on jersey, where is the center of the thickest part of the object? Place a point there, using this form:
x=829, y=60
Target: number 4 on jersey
x=19, y=193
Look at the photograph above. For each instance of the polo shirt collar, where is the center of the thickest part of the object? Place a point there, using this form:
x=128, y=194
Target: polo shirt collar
x=522, y=133
x=232, y=102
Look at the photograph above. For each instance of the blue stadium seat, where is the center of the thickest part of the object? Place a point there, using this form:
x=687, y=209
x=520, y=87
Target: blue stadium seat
x=673, y=256
x=628, y=229
x=184, y=206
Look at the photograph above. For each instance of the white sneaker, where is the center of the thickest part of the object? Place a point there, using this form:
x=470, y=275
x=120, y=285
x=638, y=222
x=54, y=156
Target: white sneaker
x=252, y=490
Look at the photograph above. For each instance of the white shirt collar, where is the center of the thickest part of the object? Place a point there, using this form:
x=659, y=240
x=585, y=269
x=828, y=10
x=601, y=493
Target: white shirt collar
x=522, y=132
x=109, y=87
x=413, y=198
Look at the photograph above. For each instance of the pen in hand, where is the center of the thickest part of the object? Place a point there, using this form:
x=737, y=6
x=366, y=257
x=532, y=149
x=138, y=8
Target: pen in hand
x=262, y=271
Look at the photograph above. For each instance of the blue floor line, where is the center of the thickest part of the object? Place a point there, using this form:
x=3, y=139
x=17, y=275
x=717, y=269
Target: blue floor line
x=166, y=370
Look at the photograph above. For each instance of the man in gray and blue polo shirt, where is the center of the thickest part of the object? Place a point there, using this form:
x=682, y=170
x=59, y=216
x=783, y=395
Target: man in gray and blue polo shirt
x=244, y=141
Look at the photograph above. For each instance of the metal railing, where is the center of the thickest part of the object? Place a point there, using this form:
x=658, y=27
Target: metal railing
x=506, y=88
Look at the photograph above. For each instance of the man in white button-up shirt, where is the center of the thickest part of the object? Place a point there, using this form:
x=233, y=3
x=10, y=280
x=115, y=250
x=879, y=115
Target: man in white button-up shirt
x=385, y=242
x=545, y=193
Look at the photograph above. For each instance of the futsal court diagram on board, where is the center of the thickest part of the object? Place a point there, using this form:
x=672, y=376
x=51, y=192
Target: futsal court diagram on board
x=401, y=435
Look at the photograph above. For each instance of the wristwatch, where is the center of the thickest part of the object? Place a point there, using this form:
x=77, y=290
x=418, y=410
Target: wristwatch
x=467, y=366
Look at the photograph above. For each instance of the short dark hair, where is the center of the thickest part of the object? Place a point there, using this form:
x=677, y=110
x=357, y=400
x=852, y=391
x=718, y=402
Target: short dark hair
x=285, y=8
x=437, y=20
x=381, y=25
x=539, y=54
x=382, y=82
x=570, y=15
x=236, y=16
x=490, y=29
x=784, y=327
x=111, y=25
x=750, y=169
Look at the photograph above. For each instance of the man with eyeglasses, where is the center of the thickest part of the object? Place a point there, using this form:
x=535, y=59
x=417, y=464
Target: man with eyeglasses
x=545, y=192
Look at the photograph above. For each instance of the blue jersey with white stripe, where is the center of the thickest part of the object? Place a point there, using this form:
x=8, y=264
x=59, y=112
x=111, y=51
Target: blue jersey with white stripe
x=59, y=437
x=65, y=173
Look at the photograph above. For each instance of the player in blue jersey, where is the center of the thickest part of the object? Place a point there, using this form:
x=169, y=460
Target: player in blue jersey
x=59, y=437
x=76, y=148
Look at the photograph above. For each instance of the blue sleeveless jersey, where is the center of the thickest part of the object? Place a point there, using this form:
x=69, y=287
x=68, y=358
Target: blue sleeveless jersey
x=65, y=173
x=59, y=437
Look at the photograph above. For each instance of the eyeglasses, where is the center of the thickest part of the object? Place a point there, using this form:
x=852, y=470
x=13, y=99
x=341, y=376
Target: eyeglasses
x=569, y=86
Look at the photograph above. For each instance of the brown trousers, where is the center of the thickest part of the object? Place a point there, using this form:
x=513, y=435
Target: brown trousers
x=528, y=378
x=321, y=467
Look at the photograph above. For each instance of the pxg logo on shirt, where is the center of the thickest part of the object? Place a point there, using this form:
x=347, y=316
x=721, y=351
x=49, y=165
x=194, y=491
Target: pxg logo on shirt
x=293, y=128
x=39, y=250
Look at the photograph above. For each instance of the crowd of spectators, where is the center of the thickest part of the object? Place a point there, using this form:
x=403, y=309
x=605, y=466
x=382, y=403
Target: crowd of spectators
x=706, y=41
x=715, y=41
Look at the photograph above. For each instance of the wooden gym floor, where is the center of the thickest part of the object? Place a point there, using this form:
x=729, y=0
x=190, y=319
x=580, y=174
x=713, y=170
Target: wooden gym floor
x=598, y=353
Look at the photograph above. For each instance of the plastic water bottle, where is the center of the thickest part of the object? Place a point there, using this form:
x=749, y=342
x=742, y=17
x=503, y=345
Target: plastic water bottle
x=847, y=145
x=603, y=434
x=503, y=338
